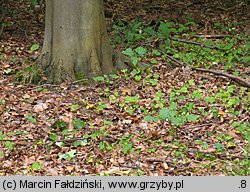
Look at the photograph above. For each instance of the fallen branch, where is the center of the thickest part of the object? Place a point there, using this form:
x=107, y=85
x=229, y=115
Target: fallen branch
x=212, y=36
x=201, y=45
x=195, y=43
x=236, y=79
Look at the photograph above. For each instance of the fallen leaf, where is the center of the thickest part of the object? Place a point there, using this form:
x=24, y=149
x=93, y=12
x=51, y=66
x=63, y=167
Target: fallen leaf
x=126, y=90
x=121, y=160
x=70, y=121
x=164, y=165
x=40, y=107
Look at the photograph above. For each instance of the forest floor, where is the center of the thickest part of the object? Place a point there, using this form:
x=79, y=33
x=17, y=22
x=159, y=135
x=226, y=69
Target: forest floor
x=173, y=118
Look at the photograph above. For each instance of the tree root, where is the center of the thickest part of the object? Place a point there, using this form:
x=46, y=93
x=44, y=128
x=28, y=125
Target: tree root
x=121, y=61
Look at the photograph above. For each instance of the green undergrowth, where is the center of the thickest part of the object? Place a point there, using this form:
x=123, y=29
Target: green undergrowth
x=168, y=112
x=229, y=52
x=199, y=126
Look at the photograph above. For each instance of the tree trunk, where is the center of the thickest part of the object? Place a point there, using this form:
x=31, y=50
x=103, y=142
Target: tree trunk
x=76, y=42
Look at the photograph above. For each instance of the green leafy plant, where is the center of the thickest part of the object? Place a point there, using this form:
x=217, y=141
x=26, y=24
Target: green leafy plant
x=53, y=137
x=33, y=2
x=2, y=135
x=34, y=47
x=74, y=107
x=244, y=129
x=149, y=118
x=80, y=143
x=36, y=166
x=127, y=146
x=101, y=106
x=69, y=155
x=172, y=116
x=167, y=29
x=78, y=123
x=99, y=78
x=105, y=146
x=219, y=146
x=59, y=144
x=134, y=57
x=196, y=94
x=9, y=145
x=59, y=124
x=30, y=118
x=203, y=144
x=130, y=103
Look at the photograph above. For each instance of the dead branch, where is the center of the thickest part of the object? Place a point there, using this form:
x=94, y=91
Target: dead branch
x=236, y=79
x=212, y=36
x=195, y=43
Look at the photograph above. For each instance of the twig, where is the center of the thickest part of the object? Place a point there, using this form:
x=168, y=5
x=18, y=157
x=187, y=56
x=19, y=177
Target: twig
x=154, y=159
x=175, y=61
x=131, y=167
x=195, y=43
x=212, y=36
x=198, y=126
x=242, y=149
x=236, y=79
x=239, y=80
x=41, y=86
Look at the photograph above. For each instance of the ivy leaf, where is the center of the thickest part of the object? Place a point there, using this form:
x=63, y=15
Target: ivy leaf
x=99, y=78
x=80, y=143
x=149, y=118
x=74, y=107
x=192, y=117
x=219, y=146
x=36, y=166
x=53, y=136
x=30, y=118
x=34, y=47
x=127, y=148
x=60, y=144
x=71, y=153
x=78, y=123
x=177, y=120
x=129, y=52
x=9, y=145
x=134, y=60
x=166, y=113
x=141, y=51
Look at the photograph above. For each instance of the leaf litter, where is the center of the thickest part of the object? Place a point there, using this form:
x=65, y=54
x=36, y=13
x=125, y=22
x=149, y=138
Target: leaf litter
x=178, y=122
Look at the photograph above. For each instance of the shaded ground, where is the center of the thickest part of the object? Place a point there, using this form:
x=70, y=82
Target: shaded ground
x=115, y=141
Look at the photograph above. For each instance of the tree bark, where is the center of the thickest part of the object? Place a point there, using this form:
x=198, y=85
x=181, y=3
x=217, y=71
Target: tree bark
x=76, y=41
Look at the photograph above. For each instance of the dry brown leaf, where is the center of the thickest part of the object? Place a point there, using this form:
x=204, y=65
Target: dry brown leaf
x=70, y=121
x=164, y=166
x=53, y=171
x=64, y=86
x=40, y=107
x=126, y=91
x=29, y=160
x=121, y=160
